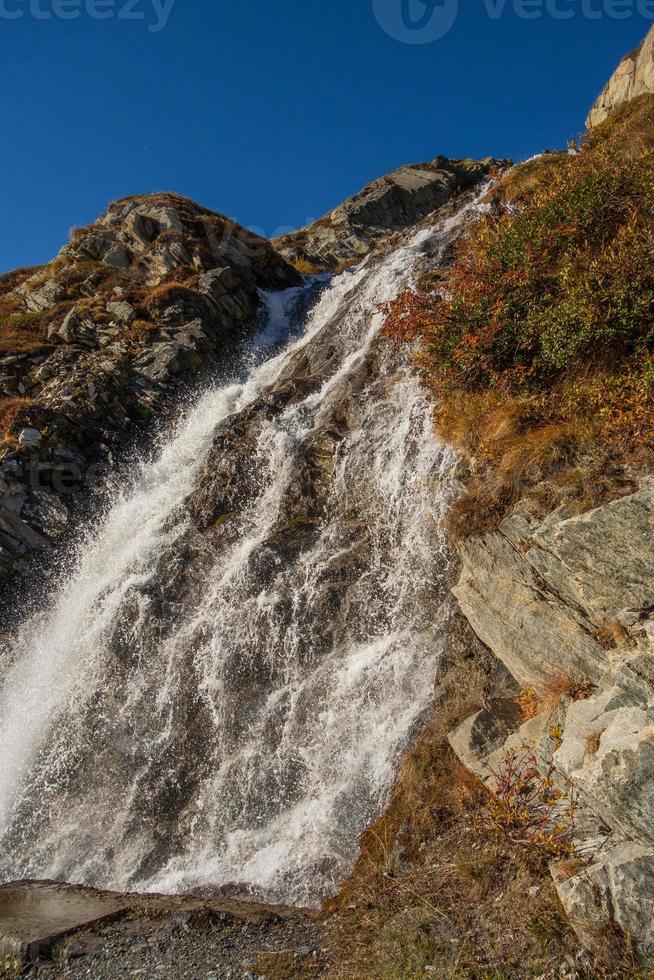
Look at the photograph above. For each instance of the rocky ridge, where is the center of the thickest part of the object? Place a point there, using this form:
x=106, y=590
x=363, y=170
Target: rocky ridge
x=634, y=76
x=387, y=205
x=93, y=346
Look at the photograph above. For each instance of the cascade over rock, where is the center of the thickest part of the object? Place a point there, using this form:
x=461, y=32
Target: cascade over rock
x=223, y=683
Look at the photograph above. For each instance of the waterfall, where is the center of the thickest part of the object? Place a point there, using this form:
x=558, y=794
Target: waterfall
x=220, y=689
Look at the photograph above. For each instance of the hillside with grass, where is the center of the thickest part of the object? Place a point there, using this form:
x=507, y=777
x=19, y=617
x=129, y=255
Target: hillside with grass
x=538, y=343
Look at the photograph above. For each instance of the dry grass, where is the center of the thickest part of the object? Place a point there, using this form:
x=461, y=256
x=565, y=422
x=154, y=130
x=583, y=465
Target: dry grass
x=530, y=704
x=21, y=332
x=167, y=293
x=11, y=410
x=613, y=636
x=564, y=687
x=140, y=330
x=524, y=180
x=592, y=743
x=305, y=268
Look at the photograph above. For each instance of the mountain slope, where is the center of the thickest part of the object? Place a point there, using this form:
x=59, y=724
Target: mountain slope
x=272, y=625
x=94, y=344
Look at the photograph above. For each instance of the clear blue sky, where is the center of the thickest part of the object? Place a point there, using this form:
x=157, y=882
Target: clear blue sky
x=272, y=111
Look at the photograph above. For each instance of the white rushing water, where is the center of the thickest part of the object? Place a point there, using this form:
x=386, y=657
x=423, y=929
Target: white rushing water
x=201, y=711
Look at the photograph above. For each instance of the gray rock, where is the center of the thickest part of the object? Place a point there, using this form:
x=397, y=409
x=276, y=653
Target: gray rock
x=159, y=363
x=164, y=258
x=77, y=330
x=46, y=512
x=46, y=296
x=117, y=257
x=217, y=282
x=91, y=245
x=12, y=494
x=608, y=748
x=538, y=592
x=390, y=204
x=483, y=734
x=146, y=222
x=603, y=561
x=516, y=613
x=30, y=438
x=619, y=887
x=121, y=311
x=16, y=536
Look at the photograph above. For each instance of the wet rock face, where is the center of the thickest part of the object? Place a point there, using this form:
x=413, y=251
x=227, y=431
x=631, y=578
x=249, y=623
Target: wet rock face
x=391, y=204
x=566, y=604
x=155, y=291
x=634, y=76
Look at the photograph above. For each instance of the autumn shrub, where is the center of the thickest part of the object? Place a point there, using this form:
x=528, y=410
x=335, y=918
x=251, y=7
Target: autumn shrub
x=529, y=809
x=539, y=346
x=529, y=703
x=563, y=686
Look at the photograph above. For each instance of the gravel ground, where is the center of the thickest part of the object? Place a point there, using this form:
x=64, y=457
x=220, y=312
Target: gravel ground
x=200, y=945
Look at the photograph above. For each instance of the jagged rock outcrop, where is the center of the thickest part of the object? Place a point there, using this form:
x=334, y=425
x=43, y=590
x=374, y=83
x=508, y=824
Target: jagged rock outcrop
x=390, y=204
x=91, y=345
x=567, y=605
x=634, y=76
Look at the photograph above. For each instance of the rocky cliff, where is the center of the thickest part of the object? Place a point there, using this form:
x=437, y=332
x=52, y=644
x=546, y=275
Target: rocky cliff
x=565, y=603
x=634, y=76
x=387, y=205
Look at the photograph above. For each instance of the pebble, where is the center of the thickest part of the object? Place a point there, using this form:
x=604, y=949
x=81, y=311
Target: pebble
x=212, y=949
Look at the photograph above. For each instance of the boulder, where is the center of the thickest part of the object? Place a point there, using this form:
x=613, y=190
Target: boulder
x=117, y=257
x=145, y=222
x=121, y=312
x=17, y=537
x=607, y=748
x=217, y=282
x=47, y=513
x=76, y=329
x=45, y=296
x=517, y=612
x=566, y=605
x=30, y=438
